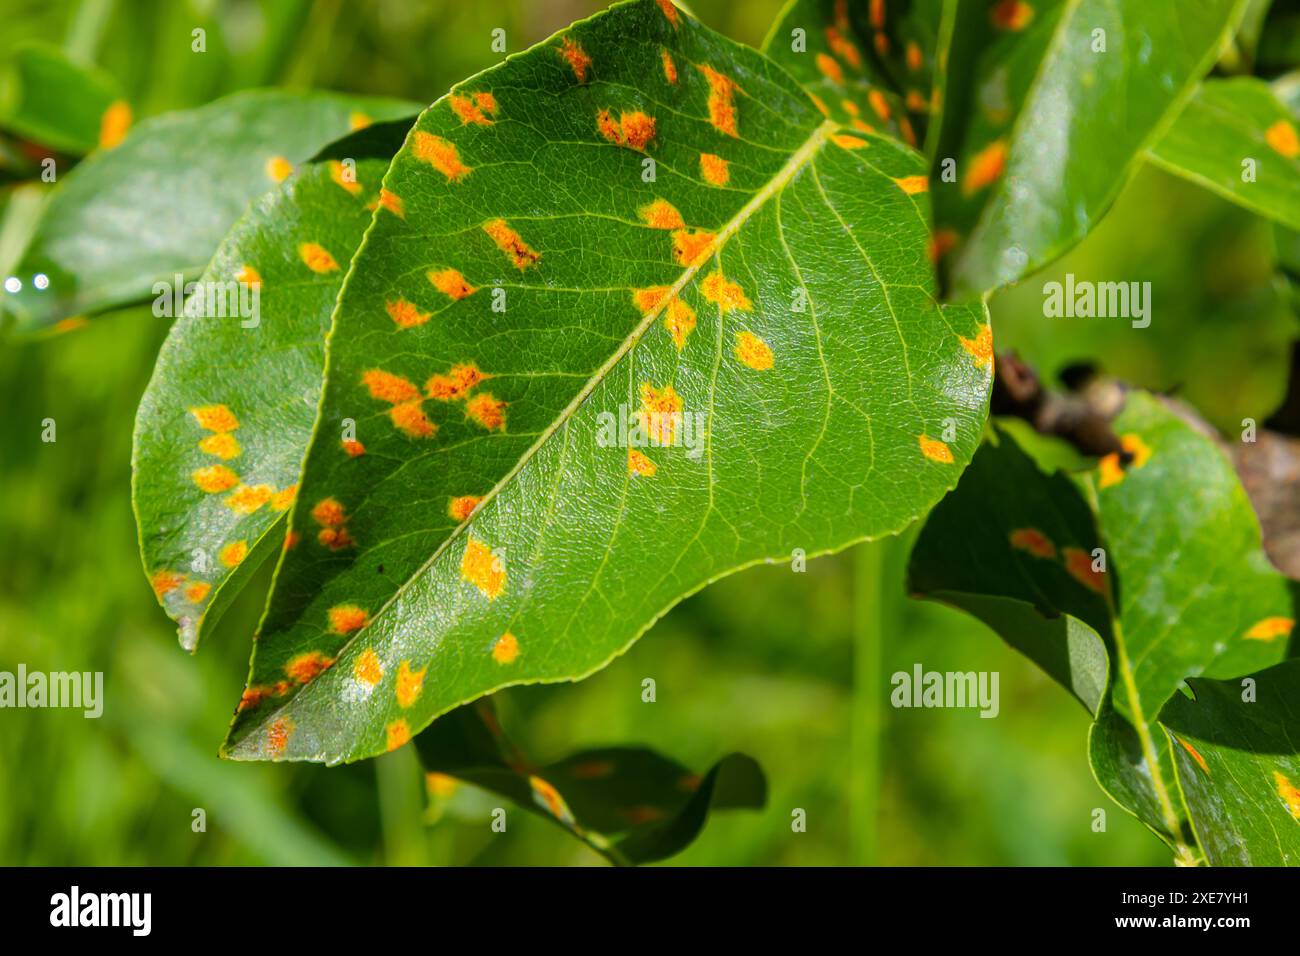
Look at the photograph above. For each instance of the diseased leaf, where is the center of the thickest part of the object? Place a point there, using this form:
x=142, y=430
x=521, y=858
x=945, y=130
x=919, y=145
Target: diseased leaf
x=1238, y=139
x=629, y=804
x=48, y=99
x=777, y=326
x=1048, y=124
x=1238, y=764
x=159, y=204
x=1185, y=590
x=225, y=421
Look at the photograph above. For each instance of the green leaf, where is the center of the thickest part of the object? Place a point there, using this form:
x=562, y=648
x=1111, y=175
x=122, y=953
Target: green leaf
x=629, y=804
x=819, y=373
x=1238, y=763
x=50, y=100
x=1185, y=591
x=225, y=421
x=1231, y=122
x=1046, y=130
x=157, y=206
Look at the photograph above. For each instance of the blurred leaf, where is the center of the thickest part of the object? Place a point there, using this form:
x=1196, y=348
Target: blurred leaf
x=157, y=206
x=1238, y=764
x=629, y=804
x=47, y=98
x=825, y=389
x=224, y=423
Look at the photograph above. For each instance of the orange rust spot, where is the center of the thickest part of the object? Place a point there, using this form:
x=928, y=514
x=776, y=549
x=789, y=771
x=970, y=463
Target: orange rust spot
x=353, y=448
x=328, y=513
x=913, y=184
x=1200, y=761
x=941, y=243
x=249, y=276
x=909, y=134
x=398, y=733
x=451, y=283
x=409, y=684
x=409, y=418
x=913, y=55
x=252, y=696
x=1109, y=471
x=462, y=507
x=1270, y=629
x=661, y=411
x=639, y=464
x=215, y=418
x=980, y=347
x=820, y=104
x=291, y=540
x=164, y=582
x=388, y=387
x=233, y=553
x=879, y=104
x=679, y=320
x=916, y=101
x=726, y=294
x=753, y=351
x=340, y=175
x=850, y=107
x=222, y=444
x=317, y=257
x=843, y=47
x=346, y=618
x=1282, y=137
x=829, y=68
x=483, y=569
x=278, y=169
x=282, y=499
x=197, y=591
x=113, y=125
x=1109, y=468
x=633, y=130
x=249, y=498
x=1135, y=446
x=1289, y=793
x=441, y=154
x=473, y=108
x=592, y=770
x=277, y=738
x=1012, y=15
x=576, y=57
x=487, y=410
x=358, y=120
x=305, y=668
x=336, y=539
x=392, y=202
x=722, y=101
x=405, y=315
x=456, y=384
x=714, y=169
x=661, y=214
x=986, y=167
x=882, y=44
x=862, y=126
x=1079, y=565
x=670, y=68
x=367, y=669
x=935, y=450
x=877, y=14
x=506, y=648
x=647, y=300
x=669, y=10
x=608, y=127
x=215, y=478
x=692, y=248
x=1033, y=541
x=849, y=142
x=641, y=814
x=509, y=242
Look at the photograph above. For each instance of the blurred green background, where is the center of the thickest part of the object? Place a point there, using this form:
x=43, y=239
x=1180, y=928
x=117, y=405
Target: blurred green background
x=763, y=662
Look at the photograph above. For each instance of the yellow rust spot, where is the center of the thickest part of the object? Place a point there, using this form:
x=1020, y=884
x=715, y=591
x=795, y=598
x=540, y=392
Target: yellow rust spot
x=510, y=242
x=344, y=177
x=249, y=276
x=483, y=569
x=249, y=498
x=113, y=125
x=722, y=101
x=728, y=295
x=398, y=733
x=879, y=104
x=829, y=68
x=844, y=141
x=353, y=448
x=441, y=154
x=388, y=387
x=1111, y=471
x=670, y=68
x=460, y=508
x=197, y=591
x=405, y=315
x=223, y=445
x=1034, y=542
x=913, y=184
x=474, y=108
x=233, y=553
x=278, y=169
x=661, y=411
x=985, y=167
x=215, y=418
x=215, y=478
x=451, y=283
x=1289, y=793
x=916, y=101
x=714, y=169
x=277, y=738
x=1270, y=629
x=639, y=464
x=346, y=618
x=317, y=257
x=305, y=668
x=336, y=539
x=283, y=498
x=506, y=648
x=980, y=347
x=661, y=214
x=1194, y=754
x=632, y=130
x=935, y=450
x=328, y=513
x=576, y=57
x=1282, y=137
x=843, y=47
x=1013, y=15
x=690, y=248
x=409, y=418
x=679, y=320
x=358, y=120
x=409, y=684
x=392, y=202
x=913, y=56
x=367, y=669
x=488, y=411
x=164, y=582
x=669, y=11
x=1079, y=565
x=753, y=351
x=456, y=384
x=440, y=785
